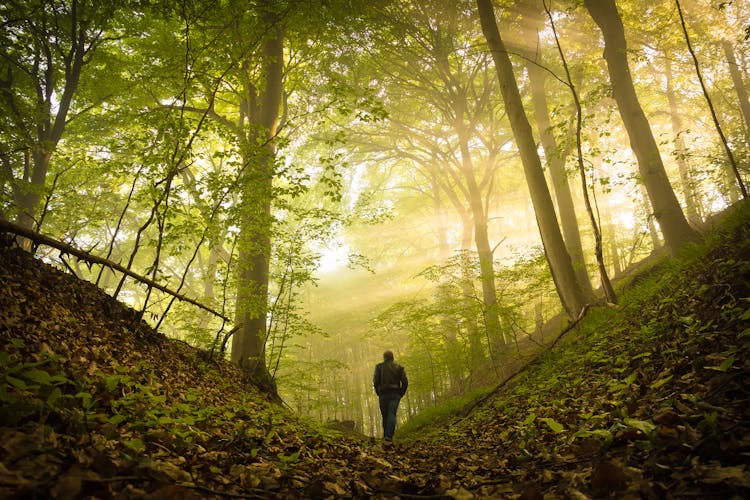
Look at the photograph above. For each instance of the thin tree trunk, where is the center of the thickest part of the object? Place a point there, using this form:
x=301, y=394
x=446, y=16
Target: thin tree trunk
x=556, y=163
x=442, y=228
x=554, y=155
x=609, y=292
x=571, y=294
x=481, y=238
x=739, y=85
x=727, y=149
x=691, y=203
x=649, y=211
x=677, y=232
x=476, y=353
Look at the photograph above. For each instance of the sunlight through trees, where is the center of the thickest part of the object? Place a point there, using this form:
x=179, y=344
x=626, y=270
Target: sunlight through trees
x=331, y=179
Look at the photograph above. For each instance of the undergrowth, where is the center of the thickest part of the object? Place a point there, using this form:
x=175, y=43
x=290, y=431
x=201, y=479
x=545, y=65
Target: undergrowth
x=441, y=413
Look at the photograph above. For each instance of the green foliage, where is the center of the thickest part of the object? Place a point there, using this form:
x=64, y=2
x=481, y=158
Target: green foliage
x=31, y=390
x=441, y=414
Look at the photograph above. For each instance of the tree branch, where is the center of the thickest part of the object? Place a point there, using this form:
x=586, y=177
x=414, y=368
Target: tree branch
x=206, y=112
x=8, y=227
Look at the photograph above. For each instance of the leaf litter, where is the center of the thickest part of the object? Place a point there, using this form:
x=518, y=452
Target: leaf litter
x=648, y=400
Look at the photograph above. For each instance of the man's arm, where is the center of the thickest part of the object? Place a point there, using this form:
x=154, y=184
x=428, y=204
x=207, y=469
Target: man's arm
x=404, y=382
x=376, y=379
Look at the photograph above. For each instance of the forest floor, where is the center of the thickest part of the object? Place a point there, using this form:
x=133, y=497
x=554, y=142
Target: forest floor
x=649, y=399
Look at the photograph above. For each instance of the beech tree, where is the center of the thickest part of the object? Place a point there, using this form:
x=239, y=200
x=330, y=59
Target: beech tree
x=46, y=48
x=454, y=138
x=674, y=226
x=554, y=154
x=571, y=293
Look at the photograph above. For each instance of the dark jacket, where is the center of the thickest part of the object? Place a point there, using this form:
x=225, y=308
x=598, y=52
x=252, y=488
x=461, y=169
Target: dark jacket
x=390, y=378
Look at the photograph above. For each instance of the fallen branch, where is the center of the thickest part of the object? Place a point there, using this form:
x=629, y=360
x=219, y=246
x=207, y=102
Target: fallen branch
x=9, y=227
x=465, y=411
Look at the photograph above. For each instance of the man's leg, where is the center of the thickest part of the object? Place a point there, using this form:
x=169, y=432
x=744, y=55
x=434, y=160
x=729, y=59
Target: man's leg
x=390, y=424
x=383, y=400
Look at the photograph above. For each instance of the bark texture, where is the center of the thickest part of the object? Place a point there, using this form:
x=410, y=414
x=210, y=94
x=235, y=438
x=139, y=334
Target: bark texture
x=249, y=343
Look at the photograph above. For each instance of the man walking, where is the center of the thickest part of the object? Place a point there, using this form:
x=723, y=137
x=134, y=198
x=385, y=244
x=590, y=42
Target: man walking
x=390, y=384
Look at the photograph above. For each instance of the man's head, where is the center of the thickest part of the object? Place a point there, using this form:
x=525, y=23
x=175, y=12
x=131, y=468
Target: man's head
x=388, y=356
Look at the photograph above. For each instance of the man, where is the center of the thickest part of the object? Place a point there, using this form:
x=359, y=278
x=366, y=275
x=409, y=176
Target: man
x=390, y=384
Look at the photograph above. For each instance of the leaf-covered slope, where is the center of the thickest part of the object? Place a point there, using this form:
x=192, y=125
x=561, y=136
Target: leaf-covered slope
x=94, y=403
x=647, y=400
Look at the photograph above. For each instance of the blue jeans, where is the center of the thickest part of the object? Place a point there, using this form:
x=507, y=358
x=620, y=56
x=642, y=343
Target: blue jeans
x=388, y=406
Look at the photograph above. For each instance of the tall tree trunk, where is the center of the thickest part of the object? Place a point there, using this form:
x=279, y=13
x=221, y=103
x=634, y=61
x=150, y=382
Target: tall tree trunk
x=554, y=156
x=441, y=226
x=249, y=343
x=649, y=211
x=739, y=85
x=568, y=288
x=691, y=203
x=609, y=292
x=50, y=126
x=556, y=163
x=476, y=353
x=481, y=238
x=674, y=226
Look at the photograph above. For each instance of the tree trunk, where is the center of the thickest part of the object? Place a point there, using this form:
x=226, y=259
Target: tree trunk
x=556, y=163
x=739, y=85
x=481, y=238
x=442, y=227
x=568, y=288
x=674, y=226
x=248, y=344
x=609, y=292
x=692, y=210
x=49, y=127
x=649, y=211
x=709, y=102
x=476, y=352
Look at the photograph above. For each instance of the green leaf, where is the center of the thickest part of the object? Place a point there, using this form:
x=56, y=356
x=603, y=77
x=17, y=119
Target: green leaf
x=644, y=426
x=39, y=376
x=597, y=433
x=556, y=427
x=661, y=382
x=54, y=396
x=530, y=419
x=215, y=470
x=724, y=366
x=288, y=458
x=15, y=382
x=111, y=382
x=117, y=419
x=134, y=444
x=59, y=379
